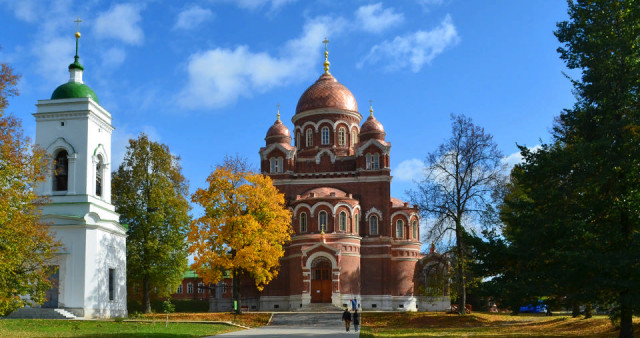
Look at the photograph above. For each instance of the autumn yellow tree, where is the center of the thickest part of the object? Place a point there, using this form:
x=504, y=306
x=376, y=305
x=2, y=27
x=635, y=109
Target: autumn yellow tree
x=26, y=246
x=244, y=227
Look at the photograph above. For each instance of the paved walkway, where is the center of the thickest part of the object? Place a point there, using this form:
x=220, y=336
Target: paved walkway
x=326, y=325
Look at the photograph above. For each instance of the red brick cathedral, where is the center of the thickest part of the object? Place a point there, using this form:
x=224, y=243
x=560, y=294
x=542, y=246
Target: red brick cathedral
x=351, y=238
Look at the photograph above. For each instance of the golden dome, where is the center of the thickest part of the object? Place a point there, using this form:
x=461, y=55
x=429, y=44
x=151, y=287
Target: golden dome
x=327, y=92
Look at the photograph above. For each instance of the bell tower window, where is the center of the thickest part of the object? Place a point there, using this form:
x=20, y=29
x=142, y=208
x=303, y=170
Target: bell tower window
x=368, y=159
x=99, y=170
x=415, y=230
x=356, y=224
x=354, y=138
x=325, y=135
x=61, y=171
x=342, y=136
x=376, y=161
x=298, y=140
x=275, y=164
x=309, y=138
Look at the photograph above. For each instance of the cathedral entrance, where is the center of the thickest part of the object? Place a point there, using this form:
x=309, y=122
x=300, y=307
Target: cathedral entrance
x=321, y=280
x=52, y=294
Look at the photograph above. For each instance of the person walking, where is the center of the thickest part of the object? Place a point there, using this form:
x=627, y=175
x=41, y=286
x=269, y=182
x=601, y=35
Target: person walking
x=356, y=320
x=346, y=316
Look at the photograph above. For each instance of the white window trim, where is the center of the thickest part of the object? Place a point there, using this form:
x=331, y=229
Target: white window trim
x=309, y=138
x=342, y=136
x=342, y=220
x=324, y=133
x=399, y=229
x=189, y=288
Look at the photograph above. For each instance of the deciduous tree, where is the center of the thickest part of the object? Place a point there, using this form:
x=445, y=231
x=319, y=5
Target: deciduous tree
x=462, y=177
x=150, y=194
x=26, y=246
x=244, y=227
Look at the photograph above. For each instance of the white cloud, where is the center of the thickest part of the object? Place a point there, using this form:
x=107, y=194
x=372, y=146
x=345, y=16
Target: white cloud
x=220, y=76
x=255, y=4
x=25, y=10
x=427, y=4
x=409, y=170
x=414, y=50
x=121, y=22
x=516, y=158
x=113, y=57
x=53, y=57
x=192, y=17
x=372, y=18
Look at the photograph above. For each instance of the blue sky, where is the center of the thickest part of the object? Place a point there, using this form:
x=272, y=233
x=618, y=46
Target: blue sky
x=204, y=77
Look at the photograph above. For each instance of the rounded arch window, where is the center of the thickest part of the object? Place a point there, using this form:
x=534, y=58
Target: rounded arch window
x=324, y=132
x=399, y=229
x=309, y=137
x=415, y=229
x=322, y=221
x=343, y=221
x=303, y=222
x=356, y=223
x=342, y=136
x=298, y=140
x=373, y=225
x=61, y=171
x=354, y=137
x=99, y=175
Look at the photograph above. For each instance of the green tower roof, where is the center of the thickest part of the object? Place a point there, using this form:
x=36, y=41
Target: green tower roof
x=71, y=90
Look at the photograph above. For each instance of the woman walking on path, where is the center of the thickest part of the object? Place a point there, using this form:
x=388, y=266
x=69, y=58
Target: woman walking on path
x=346, y=316
x=356, y=320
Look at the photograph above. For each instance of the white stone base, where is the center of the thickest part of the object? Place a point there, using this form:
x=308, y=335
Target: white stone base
x=433, y=303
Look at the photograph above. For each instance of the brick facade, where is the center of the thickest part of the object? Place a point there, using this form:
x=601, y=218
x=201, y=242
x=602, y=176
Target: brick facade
x=351, y=238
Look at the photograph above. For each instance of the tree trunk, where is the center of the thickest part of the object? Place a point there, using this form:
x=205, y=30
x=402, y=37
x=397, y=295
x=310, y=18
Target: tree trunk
x=462, y=292
x=588, y=311
x=235, y=289
x=575, y=310
x=626, y=316
x=146, y=301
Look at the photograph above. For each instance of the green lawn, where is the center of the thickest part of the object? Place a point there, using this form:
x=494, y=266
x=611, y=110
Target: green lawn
x=90, y=328
x=433, y=324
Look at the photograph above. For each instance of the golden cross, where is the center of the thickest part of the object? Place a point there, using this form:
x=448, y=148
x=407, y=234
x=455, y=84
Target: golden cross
x=326, y=42
x=77, y=21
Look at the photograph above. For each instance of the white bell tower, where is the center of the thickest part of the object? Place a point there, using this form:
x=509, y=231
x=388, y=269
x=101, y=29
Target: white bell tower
x=75, y=131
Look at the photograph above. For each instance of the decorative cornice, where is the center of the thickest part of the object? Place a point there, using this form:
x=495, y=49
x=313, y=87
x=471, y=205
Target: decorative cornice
x=325, y=111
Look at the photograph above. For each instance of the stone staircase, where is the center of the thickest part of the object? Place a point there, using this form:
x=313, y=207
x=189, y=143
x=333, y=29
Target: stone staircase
x=40, y=313
x=320, y=307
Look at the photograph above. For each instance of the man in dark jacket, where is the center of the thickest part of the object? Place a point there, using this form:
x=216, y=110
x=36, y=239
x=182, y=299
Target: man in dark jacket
x=346, y=316
x=356, y=320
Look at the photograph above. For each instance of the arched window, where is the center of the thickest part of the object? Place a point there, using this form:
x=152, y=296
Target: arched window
x=354, y=137
x=342, y=136
x=61, y=171
x=303, y=222
x=322, y=221
x=325, y=135
x=179, y=289
x=373, y=225
x=298, y=140
x=368, y=159
x=190, y=288
x=376, y=161
x=343, y=221
x=415, y=229
x=309, y=137
x=99, y=170
x=399, y=229
x=356, y=221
